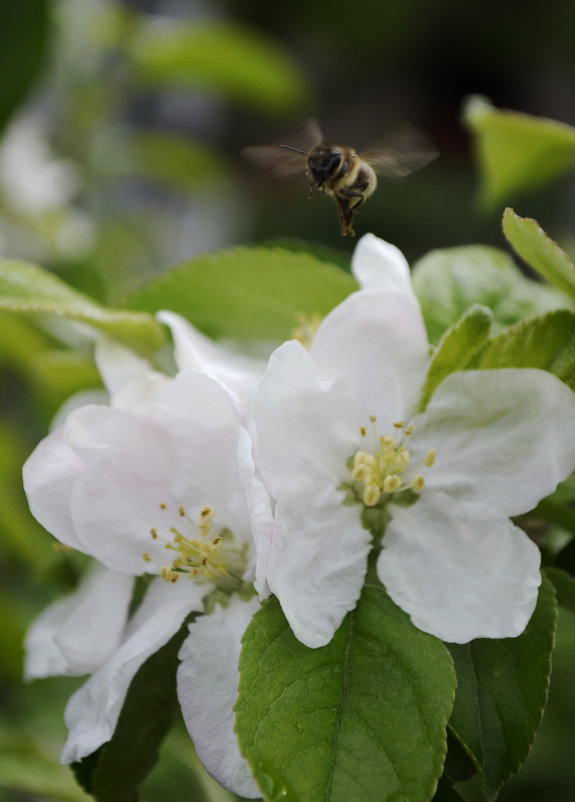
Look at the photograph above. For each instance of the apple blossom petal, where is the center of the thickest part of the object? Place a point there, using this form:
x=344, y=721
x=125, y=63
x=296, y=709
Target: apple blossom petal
x=77, y=401
x=94, y=428
x=502, y=436
x=301, y=426
x=461, y=570
x=141, y=488
x=377, y=341
x=378, y=265
x=197, y=397
x=42, y=657
x=74, y=635
x=194, y=351
x=185, y=456
x=261, y=516
x=92, y=712
x=118, y=364
x=318, y=561
x=207, y=689
x=49, y=474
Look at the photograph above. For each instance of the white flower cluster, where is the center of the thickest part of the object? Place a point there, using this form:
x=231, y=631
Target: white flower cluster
x=251, y=478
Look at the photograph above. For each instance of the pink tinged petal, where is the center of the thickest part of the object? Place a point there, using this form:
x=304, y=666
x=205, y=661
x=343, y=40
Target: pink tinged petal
x=261, y=516
x=502, y=436
x=301, y=426
x=378, y=265
x=159, y=465
x=93, y=429
x=377, y=341
x=75, y=635
x=81, y=399
x=318, y=561
x=194, y=351
x=49, y=475
x=118, y=365
x=92, y=712
x=207, y=689
x=461, y=570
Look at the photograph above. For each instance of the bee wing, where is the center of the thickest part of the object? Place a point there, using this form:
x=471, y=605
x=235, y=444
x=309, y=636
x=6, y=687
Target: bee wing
x=400, y=153
x=279, y=161
x=287, y=157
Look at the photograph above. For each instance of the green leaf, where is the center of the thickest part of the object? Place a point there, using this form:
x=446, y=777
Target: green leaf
x=566, y=558
x=446, y=792
x=24, y=37
x=247, y=293
x=456, y=348
x=232, y=60
x=360, y=719
x=539, y=251
x=114, y=772
x=448, y=282
x=27, y=767
x=516, y=152
x=564, y=585
x=501, y=693
x=28, y=289
x=546, y=342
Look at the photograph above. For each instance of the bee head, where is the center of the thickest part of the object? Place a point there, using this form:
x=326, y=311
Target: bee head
x=323, y=162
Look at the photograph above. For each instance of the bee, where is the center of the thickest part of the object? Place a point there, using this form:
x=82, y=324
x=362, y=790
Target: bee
x=341, y=172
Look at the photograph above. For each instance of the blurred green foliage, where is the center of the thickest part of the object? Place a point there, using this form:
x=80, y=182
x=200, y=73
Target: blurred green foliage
x=129, y=162
x=24, y=36
x=516, y=152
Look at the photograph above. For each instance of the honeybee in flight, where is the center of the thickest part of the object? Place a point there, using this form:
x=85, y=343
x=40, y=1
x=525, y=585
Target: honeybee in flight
x=342, y=173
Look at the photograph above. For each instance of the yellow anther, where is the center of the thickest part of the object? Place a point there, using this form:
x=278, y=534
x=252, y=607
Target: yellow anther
x=430, y=458
x=371, y=495
x=181, y=512
x=404, y=457
x=372, y=418
x=409, y=430
x=154, y=533
x=362, y=431
x=168, y=574
x=391, y=483
x=359, y=473
x=417, y=483
x=163, y=505
x=146, y=557
x=399, y=424
x=207, y=512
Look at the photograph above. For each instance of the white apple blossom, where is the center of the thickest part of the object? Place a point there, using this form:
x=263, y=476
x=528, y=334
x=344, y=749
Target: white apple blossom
x=76, y=634
x=150, y=484
x=375, y=265
x=336, y=439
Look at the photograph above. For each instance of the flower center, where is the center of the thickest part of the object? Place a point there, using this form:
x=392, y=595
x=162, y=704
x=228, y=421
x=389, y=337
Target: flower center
x=203, y=554
x=385, y=469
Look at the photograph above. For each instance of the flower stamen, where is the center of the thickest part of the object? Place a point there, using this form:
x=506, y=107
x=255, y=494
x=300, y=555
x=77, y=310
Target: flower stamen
x=381, y=471
x=200, y=553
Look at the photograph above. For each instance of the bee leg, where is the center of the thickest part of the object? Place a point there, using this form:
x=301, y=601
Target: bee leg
x=345, y=215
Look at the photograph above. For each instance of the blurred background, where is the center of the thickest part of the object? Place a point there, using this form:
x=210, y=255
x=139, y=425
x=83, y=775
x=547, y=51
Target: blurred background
x=121, y=130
